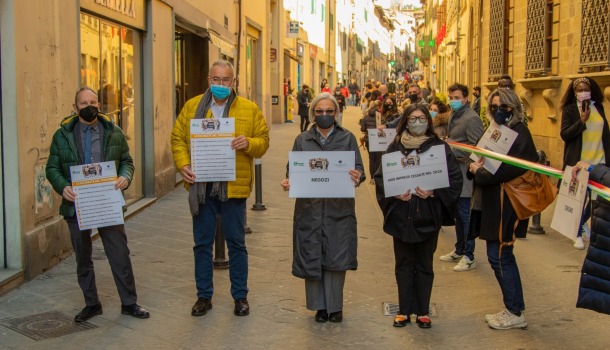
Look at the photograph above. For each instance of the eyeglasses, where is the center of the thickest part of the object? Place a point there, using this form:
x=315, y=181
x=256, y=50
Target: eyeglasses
x=502, y=107
x=324, y=111
x=223, y=81
x=421, y=118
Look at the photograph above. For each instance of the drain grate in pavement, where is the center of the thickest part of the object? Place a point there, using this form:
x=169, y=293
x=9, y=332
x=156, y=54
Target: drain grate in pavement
x=46, y=325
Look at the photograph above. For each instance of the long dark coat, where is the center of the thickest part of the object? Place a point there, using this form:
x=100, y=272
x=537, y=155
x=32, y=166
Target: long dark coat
x=396, y=220
x=485, y=223
x=303, y=99
x=594, y=291
x=324, y=229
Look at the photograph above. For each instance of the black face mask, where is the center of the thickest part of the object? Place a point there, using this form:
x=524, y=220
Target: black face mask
x=388, y=107
x=324, y=121
x=413, y=97
x=501, y=117
x=88, y=113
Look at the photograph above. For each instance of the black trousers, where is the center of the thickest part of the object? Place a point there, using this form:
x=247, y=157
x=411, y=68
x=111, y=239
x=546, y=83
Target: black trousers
x=114, y=240
x=374, y=161
x=415, y=274
x=304, y=122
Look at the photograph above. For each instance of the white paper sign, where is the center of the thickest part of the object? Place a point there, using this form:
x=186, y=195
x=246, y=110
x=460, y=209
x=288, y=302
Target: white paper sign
x=97, y=203
x=379, y=140
x=427, y=170
x=499, y=139
x=212, y=158
x=570, y=202
x=321, y=174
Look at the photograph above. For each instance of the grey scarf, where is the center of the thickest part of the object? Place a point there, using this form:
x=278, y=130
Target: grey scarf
x=197, y=190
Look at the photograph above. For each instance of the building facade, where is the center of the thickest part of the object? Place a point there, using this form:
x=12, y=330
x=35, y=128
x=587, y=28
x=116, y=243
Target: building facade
x=145, y=58
x=544, y=45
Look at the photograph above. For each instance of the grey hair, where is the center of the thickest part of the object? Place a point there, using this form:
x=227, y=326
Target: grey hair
x=223, y=64
x=317, y=99
x=509, y=98
x=84, y=88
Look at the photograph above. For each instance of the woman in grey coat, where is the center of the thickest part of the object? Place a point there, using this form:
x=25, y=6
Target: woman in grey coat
x=324, y=229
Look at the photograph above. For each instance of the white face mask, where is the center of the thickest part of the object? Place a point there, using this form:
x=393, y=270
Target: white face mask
x=582, y=96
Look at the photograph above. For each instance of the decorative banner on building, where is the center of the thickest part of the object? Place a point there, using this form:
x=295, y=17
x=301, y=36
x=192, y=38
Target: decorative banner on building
x=293, y=29
x=313, y=51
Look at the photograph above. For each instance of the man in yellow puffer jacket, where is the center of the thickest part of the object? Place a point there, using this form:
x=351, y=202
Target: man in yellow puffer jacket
x=226, y=199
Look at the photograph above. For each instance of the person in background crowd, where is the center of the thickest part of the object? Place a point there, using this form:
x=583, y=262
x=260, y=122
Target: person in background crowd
x=594, y=289
x=88, y=136
x=414, y=219
x=465, y=126
x=392, y=88
x=345, y=93
x=476, y=105
x=383, y=89
x=326, y=89
x=304, y=98
x=325, y=229
x=440, y=114
x=415, y=97
x=489, y=212
x=323, y=84
x=369, y=121
x=425, y=93
x=225, y=200
x=353, y=90
x=585, y=133
x=389, y=111
x=341, y=101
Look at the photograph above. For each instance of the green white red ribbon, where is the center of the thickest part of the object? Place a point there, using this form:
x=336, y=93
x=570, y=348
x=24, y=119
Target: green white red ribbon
x=526, y=164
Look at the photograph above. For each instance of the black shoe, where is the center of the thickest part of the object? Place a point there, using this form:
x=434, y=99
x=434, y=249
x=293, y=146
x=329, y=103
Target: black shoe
x=321, y=316
x=201, y=307
x=241, y=307
x=424, y=322
x=88, y=312
x=335, y=316
x=134, y=310
x=401, y=320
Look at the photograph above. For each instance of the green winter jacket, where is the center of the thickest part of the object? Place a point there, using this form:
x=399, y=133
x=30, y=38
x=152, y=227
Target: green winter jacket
x=64, y=154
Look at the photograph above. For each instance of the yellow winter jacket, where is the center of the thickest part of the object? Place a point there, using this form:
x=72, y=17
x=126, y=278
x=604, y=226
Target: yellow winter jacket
x=249, y=121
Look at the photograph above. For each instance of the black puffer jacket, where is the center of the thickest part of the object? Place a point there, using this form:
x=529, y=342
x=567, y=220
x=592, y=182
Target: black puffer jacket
x=594, y=290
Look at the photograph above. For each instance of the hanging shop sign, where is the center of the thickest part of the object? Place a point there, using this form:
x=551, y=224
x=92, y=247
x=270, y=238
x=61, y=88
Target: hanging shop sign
x=293, y=29
x=313, y=51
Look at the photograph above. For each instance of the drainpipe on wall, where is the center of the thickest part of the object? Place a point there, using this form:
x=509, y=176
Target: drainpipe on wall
x=239, y=28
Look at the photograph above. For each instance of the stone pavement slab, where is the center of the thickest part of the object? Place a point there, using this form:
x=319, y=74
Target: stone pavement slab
x=160, y=240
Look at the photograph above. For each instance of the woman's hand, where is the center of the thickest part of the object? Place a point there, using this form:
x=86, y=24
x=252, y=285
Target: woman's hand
x=355, y=175
x=474, y=166
x=423, y=194
x=285, y=184
x=577, y=167
x=584, y=115
x=405, y=197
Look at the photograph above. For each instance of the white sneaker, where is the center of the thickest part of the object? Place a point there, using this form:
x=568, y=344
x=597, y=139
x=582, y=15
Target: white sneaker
x=465, y=264
x=586, y=232
x=451, y=257
x=490, y=317
x=579, y=243
x=507, y=320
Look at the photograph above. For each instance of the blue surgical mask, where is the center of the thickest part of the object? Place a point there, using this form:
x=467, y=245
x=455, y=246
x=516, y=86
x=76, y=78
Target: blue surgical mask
x=220, y=91
x=433, y=114
x=455, y=105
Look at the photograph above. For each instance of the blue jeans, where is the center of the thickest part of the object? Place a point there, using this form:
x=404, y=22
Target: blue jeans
x=463, y=246
x=586, y=212
x=231, y=214
x=507, y=273
x=352, y=99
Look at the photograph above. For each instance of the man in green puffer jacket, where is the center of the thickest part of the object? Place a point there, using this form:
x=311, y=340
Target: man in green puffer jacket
x=107, y=143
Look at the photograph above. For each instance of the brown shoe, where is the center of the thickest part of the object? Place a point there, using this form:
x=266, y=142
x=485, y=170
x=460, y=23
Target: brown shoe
x=201, y=307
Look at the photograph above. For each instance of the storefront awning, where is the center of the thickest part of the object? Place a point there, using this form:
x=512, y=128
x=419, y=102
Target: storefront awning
x=226, y=48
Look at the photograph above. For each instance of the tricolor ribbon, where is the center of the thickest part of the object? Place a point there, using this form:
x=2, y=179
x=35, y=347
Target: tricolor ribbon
x=526, y=164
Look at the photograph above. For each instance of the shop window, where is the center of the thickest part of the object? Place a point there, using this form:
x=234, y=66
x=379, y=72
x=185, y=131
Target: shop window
x=110, y=65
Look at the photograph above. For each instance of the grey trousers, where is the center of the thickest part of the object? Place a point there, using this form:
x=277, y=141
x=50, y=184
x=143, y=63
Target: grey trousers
x=114, y=240
x=327, y=292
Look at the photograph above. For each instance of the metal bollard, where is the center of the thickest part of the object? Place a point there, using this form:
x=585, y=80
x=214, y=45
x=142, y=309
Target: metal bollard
x=536, y=227
x=258, y=183
x=220, y=260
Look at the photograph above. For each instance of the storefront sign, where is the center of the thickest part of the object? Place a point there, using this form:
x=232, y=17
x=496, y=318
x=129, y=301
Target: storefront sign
x=293, y=29
x=300, y=50
x=313, y=51
x=275, y=100
x=130, y=12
